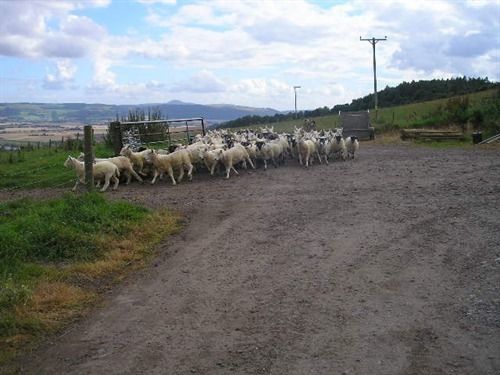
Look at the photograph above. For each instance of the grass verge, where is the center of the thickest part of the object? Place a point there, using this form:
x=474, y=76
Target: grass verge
x=56, y=256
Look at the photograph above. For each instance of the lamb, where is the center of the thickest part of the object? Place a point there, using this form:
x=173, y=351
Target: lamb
x=122, y=162
x=306, y=148
x=337, y=147
x=209, y=157
x=194, y=151
x=352, y=146
x=167, y=163
x=233, y=156
x=102, y=170
x=137, y=158
x=323, y=146
x=269, y=151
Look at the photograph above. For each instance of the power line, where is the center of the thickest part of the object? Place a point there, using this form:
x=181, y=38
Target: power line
x=374, y=41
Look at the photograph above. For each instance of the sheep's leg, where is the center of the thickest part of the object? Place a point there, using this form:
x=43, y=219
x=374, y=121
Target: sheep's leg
x=171, y=175
x=244, y=163
x=106, y=183
x=228, y=170
x=235, y=171
x=212, y=170
x=136, y=176
x=265, y=164
x=116, y=181
x=274, y=162
x=76, y=184
x=128, y=176
x=251, y=163
x=157, y=173
x=98, y=184
x=190, y=172
x=300, y=158
x=326, y=159
x=181, y=174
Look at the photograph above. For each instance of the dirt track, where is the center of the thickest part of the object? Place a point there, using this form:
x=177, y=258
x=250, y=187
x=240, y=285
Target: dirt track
x=385, y=265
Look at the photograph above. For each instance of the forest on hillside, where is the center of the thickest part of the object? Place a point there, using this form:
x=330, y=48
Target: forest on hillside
x=420, y=91
x=404, y=93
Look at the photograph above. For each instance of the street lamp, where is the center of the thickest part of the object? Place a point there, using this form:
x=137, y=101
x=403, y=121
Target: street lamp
x=295, y=91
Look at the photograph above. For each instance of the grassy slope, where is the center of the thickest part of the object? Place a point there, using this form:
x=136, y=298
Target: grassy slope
x=405, y=116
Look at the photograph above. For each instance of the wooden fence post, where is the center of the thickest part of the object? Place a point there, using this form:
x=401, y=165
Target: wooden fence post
x=203, y=126
x=116, y=136
x=89, y=157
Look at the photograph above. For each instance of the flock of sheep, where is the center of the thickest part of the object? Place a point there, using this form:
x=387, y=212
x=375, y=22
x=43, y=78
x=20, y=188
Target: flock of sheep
x=219, y=148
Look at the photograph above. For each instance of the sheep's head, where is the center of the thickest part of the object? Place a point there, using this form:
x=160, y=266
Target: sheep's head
x=259, y=144
x=202, y=151
x=125, y=151
x=219, y=155
x=338, y=138
x=149, y=155
x=69, y=162
x=81, y=157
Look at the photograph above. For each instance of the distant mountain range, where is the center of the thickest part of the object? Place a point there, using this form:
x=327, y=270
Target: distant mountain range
x=83, y=113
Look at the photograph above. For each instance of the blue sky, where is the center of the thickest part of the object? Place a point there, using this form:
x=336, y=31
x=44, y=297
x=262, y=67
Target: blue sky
x=240, y=52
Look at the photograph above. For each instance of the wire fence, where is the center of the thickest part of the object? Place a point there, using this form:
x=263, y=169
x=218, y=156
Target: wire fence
x=65, y=177
x=22, y=169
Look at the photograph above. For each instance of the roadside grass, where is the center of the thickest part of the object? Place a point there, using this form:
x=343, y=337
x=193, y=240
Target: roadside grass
x=57, y=255
x=39, y=168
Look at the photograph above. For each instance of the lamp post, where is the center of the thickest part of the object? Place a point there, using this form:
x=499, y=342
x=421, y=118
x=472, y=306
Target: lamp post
x=295, y=91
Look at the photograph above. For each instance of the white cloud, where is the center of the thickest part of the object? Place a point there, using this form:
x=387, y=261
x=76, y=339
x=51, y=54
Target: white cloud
x=202, y=82
x=262, y=48
x=167, y=2
x=65, y=73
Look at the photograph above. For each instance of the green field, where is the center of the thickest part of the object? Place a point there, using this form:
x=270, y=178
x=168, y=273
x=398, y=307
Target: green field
x=39, y=168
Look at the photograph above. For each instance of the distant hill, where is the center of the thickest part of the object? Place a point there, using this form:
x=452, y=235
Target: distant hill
x=83, y=113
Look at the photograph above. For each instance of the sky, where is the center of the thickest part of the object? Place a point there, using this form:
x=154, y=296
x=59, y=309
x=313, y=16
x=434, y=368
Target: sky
x=239, y=52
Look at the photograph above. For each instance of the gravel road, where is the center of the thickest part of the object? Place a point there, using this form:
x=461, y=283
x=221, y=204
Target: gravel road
x=388, y=264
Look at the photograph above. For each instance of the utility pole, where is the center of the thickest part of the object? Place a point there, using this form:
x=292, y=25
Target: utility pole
x=374, y=41
x=295, y=91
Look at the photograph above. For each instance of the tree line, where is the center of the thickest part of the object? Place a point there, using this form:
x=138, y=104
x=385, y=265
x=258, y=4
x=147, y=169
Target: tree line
x=404, y=93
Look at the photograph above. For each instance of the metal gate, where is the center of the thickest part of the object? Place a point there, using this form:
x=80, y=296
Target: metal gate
x=150, y=132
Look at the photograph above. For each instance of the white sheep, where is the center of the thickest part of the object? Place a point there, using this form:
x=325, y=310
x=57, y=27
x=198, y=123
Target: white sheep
x=337, y=147
x=269, y=151
x=167, y=163
x=210, y=158
x=323, y=146
x=101, y=170
x=236, y=154
x=138, y=159
x=352, y=146
x=122, y=162
x=306, y=148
